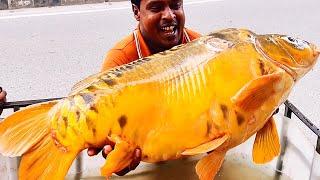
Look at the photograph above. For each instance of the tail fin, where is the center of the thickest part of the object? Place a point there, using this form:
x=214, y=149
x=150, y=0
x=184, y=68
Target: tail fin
x=20, y=131
x=27, y=133
x=46, y=161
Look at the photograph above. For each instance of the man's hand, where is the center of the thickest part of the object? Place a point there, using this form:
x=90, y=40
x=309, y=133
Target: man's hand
x=3, y=95
x=108, y=148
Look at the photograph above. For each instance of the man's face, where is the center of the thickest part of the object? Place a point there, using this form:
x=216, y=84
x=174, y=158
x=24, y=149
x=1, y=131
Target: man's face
x=161, y=22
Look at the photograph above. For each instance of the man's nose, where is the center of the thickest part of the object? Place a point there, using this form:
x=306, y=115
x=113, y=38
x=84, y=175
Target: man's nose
x=168, y=14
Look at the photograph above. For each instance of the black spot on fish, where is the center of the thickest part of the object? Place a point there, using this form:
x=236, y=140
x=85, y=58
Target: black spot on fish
x=94, y=132
x=92, y=88
x=94, y=108
x=240, y=118
x=110, y=82
x=78, y=115
x=262, y=67
x=88, y=98
x=117, y=73
x=122, y=68
x=209, y=127
x=110, y=132
x=122, y=121
x=108, y=76
x=224, y=110
x=65, y=120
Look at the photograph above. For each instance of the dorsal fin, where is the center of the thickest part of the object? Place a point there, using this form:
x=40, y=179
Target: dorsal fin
x=155, y=67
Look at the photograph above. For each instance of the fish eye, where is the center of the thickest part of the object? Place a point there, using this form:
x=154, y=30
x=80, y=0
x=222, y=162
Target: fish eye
x=291, y=39
x=297, y=43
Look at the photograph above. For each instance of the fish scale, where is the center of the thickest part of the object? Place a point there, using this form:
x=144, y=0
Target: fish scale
x=203, y=97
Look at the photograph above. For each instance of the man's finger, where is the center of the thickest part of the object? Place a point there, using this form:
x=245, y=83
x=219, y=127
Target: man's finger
x=123, y=171
x=3, y=95
x=136, y=160
x=106, y=150
x=133, y=165
x=93, y=151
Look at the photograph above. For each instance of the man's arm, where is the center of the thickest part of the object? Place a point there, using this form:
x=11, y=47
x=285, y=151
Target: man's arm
x=3, y=95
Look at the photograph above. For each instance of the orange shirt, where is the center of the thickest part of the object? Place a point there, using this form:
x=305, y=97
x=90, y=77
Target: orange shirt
x=126, y=50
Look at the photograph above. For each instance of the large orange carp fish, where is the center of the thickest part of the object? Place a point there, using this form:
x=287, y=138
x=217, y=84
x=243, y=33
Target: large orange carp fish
x=207, y=96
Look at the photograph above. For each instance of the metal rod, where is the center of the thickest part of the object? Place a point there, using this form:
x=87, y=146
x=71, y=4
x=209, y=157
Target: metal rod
x=284, y=143
x=287, y=112
x=79, y=167
x=16, y=108
x=18, y=104
x=304, y=119
x=318, y=145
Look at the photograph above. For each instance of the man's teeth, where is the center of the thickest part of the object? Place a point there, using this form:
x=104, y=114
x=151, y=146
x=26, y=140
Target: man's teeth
x=168, y=28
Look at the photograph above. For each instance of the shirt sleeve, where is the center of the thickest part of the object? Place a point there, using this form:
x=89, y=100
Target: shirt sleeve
x=193, y=34
x=115, y=57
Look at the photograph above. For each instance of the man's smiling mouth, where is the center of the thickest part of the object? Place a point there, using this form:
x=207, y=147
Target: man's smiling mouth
x=169, y=30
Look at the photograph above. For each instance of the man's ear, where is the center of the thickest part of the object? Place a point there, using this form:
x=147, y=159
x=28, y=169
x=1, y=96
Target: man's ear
x=136, y=12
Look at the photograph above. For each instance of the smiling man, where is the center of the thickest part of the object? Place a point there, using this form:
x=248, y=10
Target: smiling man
x=160, y=27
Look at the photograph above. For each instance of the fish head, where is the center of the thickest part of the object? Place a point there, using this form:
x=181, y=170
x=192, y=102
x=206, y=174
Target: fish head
x=294, y=55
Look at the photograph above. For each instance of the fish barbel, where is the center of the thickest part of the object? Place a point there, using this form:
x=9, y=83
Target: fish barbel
x=209, y=95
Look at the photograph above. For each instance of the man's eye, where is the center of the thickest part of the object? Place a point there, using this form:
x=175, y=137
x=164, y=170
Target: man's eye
x=155, y=8
x=176, y=6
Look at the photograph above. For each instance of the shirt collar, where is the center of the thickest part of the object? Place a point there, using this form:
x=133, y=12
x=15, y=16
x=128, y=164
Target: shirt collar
x=142, y=48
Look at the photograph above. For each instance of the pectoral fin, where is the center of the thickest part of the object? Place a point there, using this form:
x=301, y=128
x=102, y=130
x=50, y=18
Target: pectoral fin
x=119, y=158
x=266, y=145
x=209, y=165
x=256, y=92
x=207, y=147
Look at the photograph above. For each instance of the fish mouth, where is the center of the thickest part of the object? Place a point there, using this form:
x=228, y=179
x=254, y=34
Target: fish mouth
x=286, y=68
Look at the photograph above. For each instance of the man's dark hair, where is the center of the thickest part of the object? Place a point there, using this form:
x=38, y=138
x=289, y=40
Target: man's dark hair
x=136, y=2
